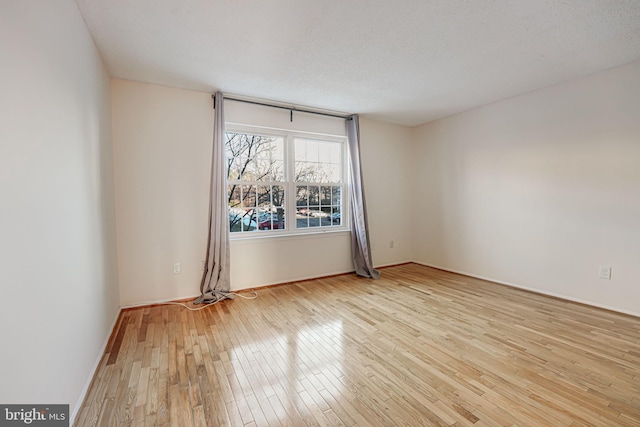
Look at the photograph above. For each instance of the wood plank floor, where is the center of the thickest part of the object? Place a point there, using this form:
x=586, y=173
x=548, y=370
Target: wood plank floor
x=417, y=347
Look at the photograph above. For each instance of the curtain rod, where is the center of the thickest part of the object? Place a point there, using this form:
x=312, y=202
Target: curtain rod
x=291, y=109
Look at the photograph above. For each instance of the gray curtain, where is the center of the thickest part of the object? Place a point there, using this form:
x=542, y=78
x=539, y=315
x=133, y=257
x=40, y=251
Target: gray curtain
x=216, y=280
x=360, y=248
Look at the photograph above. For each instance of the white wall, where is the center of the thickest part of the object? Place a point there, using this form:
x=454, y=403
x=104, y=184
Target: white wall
x=386, y=156
x=538, y=190
x=58, y=271
x=162, y=146
x=161, y=139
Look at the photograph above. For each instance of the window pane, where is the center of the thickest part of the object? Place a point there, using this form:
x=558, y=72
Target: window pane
x=333, y=173
x=255, y=157
x=302, y=222
x=314, y=195
x=321, y=210
x=271, y=200
x=336, y=217
x=335, y=196
x=314, y=218
x=278, y=219
x=312, y=151
x=248, y=195
x=335, y=154
x=317, y=161
x=302, y=172
x=277, y=170
x=233, y=171
x=235, y=216
x=249, y=220
x=234, y=196
x=300, y=149
x=324, y=156
x=233, y=145
x=323, y=173
x=325, y=195
x=264, y=196
x=241, y=220
x=272, y=220
x=257, y=170
x=302, y=196
x=277, y=195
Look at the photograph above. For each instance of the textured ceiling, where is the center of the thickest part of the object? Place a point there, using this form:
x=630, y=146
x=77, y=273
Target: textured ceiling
x=405, y=61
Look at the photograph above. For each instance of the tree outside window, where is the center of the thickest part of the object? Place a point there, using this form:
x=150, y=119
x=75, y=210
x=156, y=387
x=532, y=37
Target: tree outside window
x=264, y=170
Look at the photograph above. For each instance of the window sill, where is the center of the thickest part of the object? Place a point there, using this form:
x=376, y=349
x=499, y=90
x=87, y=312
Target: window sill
x=288, y=236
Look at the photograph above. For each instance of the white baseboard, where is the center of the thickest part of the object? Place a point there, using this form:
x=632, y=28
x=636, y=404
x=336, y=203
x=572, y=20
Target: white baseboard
x=242, y=288
x=294, y=280
x=393, y=264
x=159, y=301
x=535, y=290
x=94, y=369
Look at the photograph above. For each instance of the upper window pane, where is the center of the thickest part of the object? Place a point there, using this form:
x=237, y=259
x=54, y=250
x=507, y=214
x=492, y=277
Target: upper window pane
x=254, y=157
x=318, y=161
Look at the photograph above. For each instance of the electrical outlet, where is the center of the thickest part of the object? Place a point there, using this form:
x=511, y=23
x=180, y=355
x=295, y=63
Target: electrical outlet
x=202, y=263
x=177, y=268
x=605, y=272
x=391, y=244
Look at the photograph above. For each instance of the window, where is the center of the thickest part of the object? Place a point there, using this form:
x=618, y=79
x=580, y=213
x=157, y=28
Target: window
x=281, y=183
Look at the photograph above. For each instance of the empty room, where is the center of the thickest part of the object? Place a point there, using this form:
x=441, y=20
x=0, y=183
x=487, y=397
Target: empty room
x=296, y=213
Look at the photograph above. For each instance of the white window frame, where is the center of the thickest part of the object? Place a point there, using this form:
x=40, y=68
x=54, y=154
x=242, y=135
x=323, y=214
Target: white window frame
x=289, y=184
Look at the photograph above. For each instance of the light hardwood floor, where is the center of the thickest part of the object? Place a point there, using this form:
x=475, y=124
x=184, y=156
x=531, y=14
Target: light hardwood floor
x=417, y=347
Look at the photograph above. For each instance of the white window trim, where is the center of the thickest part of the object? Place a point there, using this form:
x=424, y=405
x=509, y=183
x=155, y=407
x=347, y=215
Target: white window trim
x=290, y=200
